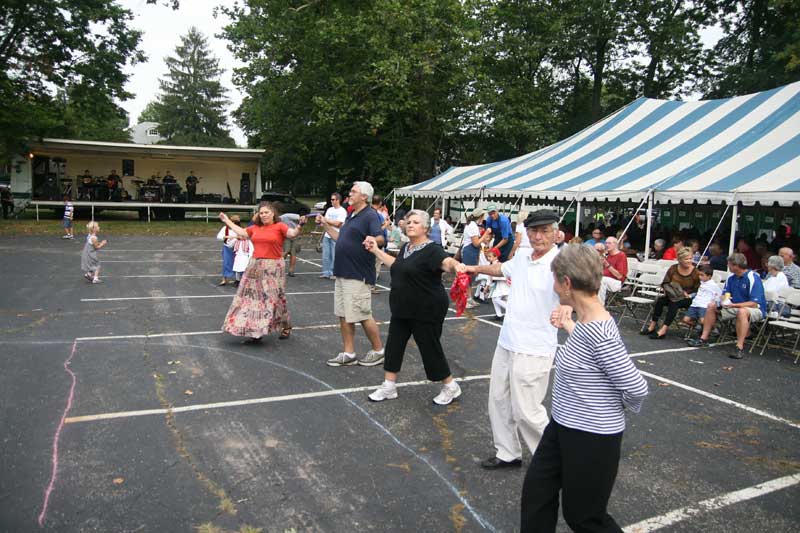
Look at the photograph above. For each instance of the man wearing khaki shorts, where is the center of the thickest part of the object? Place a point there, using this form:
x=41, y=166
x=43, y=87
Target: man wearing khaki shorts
x=354, y=268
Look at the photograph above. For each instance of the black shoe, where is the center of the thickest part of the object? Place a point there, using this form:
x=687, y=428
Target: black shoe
x=697, y=343
x=738, y=353
x=645, y=331
x=252, y=340
x=498, y=318
x=654, y=335
x=493, y=463
x=291, y=274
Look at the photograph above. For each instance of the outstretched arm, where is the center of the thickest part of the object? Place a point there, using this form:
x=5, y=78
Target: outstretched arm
x=371, y=245
x=236, y=229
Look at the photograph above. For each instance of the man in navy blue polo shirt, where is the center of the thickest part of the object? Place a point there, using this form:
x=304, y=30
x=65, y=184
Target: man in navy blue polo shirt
x=746, y=305
x=501, y=230
x=354, y=268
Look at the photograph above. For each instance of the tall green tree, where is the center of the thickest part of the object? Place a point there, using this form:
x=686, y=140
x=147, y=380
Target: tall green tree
x=190, y=109
x=760, y=48
x=59, y=43
x=91, y=116
x=343, y=89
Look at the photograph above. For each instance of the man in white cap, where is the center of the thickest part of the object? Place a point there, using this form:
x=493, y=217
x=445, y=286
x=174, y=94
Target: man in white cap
x=526, y=346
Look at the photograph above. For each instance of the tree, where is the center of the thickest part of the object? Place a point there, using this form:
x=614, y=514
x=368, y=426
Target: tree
x=58, y=43
x=149, y=113
x=190, y=109
x=342, y=89
x=760, y=49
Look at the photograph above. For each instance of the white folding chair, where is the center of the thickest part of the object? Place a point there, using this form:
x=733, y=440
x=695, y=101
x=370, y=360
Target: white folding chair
x=647, y=290
x=786, y=325
x=772, y=298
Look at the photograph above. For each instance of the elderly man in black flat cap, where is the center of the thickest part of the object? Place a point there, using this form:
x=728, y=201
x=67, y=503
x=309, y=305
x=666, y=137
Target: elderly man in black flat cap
x=527, y=344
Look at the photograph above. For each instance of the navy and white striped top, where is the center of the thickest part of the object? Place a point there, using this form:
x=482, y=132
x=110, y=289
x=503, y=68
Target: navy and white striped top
x=596, y=380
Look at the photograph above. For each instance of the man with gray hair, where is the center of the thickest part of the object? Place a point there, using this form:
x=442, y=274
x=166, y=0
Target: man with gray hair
x=791, y=270
x=526, y=346
x=743, y=300
x=354, y=268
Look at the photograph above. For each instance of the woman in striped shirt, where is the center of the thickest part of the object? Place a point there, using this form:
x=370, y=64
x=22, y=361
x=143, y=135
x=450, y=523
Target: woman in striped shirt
x=595, y=383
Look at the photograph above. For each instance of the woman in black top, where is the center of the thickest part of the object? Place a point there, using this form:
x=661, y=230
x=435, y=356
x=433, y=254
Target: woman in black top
x=418, y=303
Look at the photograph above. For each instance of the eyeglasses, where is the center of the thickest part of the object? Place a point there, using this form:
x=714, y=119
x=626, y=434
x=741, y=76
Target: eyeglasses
x=540, y=231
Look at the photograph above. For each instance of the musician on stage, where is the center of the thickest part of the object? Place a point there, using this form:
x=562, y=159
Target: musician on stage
x=113, y=181
x=169, y=179
x=191, y=186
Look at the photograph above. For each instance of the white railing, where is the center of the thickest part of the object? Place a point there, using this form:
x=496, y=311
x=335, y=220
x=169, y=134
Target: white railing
x=135, y=206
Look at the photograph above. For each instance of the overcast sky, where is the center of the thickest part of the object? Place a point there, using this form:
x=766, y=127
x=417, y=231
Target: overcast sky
x=162, y=29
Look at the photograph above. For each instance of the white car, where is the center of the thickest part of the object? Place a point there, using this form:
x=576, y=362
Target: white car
x=319, y=206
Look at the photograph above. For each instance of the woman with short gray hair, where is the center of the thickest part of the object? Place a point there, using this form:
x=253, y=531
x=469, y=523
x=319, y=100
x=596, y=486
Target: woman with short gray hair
x=418, y=303
x=776, y=280
x=595, y=383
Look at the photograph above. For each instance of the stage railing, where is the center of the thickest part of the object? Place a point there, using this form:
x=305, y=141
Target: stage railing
x=135, y=206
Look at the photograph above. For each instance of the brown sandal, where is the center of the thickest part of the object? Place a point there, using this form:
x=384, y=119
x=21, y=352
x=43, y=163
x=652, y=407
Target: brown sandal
x=285, y=333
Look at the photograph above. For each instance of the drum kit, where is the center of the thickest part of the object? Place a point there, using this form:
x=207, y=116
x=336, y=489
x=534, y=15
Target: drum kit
x=154, y=192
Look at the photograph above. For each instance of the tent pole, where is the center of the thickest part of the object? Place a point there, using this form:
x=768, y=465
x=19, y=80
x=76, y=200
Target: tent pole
x=394, y=202
x=732, y=244
x=412, y=201
x=649, y=225
x=578, y=219
x=708, y=244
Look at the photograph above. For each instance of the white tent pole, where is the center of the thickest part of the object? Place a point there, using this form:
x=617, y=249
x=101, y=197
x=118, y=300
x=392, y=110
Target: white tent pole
x=412, y=201
x=394, y=202
x=648, y=231
x=567, y=209
x=646, y=198
x=578, y=219
x=732, y=244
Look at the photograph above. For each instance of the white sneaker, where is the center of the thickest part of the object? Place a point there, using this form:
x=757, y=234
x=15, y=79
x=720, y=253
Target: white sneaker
x=65, y=236
x=343, y=359
x=372, y=358
x=387, y=391
x=448, y=394
x=472, y=304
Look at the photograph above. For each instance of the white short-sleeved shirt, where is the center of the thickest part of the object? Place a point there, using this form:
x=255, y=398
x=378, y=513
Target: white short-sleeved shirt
x=470, y=231
x=335, y=214
x=776, y=283
x=526, y=327
x=522, y=235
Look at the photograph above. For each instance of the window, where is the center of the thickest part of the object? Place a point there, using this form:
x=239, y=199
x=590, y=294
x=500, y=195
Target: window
x=152, y=132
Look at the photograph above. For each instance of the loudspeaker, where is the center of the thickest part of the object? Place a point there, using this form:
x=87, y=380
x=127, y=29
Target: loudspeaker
x=245, y=197
x=244, y=184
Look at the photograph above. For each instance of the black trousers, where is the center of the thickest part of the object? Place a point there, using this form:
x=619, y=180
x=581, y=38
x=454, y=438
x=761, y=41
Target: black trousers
x=427, y=335
x=583, y=466
x=672, y=308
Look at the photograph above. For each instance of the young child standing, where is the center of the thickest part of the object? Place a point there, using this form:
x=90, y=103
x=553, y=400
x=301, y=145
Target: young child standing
x=90, y=264
x=69, y=211
x=243, y=250
x=228, y=237
x=708, y=292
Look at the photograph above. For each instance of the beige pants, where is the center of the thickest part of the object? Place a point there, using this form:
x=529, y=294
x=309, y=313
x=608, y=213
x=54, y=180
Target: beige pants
x=517, y=388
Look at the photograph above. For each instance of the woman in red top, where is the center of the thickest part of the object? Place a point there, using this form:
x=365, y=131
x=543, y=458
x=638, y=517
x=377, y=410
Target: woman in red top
x=672, y=252
x=259, y=306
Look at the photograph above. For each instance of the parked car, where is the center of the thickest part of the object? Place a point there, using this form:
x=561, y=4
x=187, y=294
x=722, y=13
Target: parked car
x=321, y=206
x=289, y=204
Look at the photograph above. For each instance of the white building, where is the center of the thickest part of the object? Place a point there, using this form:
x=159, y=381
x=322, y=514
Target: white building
x=146, y=133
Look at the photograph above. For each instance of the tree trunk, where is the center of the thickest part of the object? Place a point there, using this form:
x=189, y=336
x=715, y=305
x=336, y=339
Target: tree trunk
x=598, y=70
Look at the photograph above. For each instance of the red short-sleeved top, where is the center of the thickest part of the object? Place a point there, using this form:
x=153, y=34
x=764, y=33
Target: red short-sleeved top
x=268, y=240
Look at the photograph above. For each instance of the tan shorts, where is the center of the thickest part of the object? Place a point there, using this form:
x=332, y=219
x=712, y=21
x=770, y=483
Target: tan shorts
x=352, y=300
x=290, y=245
x=730, y=314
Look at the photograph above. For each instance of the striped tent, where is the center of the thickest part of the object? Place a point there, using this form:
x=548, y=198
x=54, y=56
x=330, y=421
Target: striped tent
x=743, y=149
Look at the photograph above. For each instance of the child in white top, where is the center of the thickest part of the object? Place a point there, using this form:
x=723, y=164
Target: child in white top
x=708, y=292
x=69, y=212
x=243, y=250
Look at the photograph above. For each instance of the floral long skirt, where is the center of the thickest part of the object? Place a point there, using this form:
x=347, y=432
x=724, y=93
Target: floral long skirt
x=259, y=307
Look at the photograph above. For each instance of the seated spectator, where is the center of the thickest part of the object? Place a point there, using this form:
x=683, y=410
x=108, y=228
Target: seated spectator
x=708, y=292
x=600, y=247
x=615, y=269
x=746, y=304
x=658, y=249
x=776, y=279
x=753, y=261
x=576, y=240
x=718, y=260
x=672, y=252
x=685, y=279
x=597, y=236
x=694, y=246
x=790, y=269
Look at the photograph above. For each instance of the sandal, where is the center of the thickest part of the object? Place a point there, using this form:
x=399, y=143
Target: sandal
x=285, y=333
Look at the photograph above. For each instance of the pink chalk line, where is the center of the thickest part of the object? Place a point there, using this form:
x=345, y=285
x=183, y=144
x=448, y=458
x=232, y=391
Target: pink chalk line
x=52, y=483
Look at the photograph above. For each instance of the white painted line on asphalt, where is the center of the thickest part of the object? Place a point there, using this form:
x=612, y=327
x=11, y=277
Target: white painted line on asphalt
x=161, y=261
x=189, y=297
x=252, y=401
x=214, y=332
x=722, y=399
x=114, y=250
x=217, y=275
x=712, y=504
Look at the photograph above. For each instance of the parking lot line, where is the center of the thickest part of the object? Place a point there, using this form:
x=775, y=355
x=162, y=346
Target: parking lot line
x=187, y=297
x=712, y=504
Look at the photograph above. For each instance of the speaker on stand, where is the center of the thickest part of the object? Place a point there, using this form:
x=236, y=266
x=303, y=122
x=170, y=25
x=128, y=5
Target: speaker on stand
x=245, y=195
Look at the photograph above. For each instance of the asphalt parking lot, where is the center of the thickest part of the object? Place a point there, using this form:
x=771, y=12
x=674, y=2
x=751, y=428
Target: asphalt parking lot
x=125, y=408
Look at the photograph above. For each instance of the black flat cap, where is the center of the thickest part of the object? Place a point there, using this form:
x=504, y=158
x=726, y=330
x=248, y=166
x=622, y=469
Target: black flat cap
x=541, y=217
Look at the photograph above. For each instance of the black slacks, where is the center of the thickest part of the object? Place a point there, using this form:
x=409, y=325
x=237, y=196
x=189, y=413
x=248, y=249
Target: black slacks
x=427, y=335
x=583, y=466
x=672, y=308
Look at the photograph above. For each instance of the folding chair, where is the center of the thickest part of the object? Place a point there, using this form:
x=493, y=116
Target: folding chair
x=791, y=324
x=772, y=299
x=647, y=290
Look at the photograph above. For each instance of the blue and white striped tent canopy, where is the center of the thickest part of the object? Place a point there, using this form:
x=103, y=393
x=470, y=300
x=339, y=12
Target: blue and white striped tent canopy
x=745, y=148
